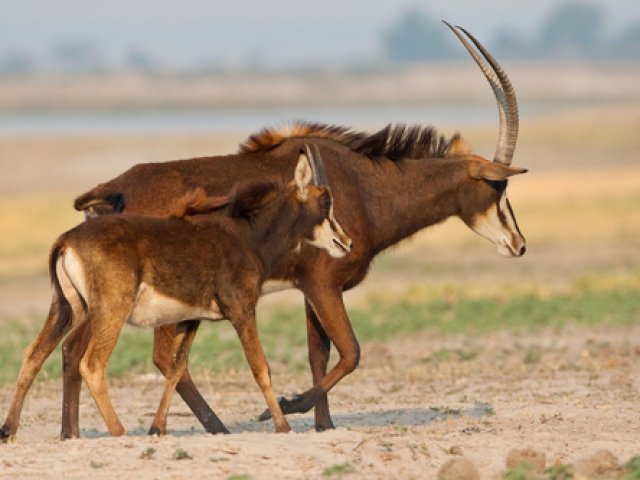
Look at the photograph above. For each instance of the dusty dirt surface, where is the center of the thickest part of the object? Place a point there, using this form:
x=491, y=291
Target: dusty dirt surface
x=414, y=405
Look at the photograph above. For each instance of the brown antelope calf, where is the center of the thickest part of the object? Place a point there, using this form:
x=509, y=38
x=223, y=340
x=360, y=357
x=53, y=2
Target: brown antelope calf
x=150, y=272
x=386, y=185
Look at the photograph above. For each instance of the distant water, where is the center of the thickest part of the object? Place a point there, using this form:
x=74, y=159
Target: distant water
x=234, y=120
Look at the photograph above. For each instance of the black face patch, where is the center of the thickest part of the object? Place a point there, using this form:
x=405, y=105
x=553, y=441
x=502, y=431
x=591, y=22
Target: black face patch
x=498, y=185
x=325, y=202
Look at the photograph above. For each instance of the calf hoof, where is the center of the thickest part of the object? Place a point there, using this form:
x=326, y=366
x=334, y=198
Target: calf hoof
x=283, y=429
x=5, y=435
x=156, y=431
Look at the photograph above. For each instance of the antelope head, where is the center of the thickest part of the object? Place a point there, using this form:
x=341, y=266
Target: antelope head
x=313, y=192
x=487, y=210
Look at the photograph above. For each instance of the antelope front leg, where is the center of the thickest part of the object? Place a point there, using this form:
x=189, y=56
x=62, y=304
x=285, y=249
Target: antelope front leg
x=330, y=311
x=33, y=358
x=319, y=348
x=245, y=325
x=162, y=341
x=183, y=339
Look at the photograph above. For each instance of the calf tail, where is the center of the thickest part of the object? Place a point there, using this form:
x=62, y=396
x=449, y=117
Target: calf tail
x=65, y=312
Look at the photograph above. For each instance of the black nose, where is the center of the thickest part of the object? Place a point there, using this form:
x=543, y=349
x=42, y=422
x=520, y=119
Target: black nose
x=523, y=249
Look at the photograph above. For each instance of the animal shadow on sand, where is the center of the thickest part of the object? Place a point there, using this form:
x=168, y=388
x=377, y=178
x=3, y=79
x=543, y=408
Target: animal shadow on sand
x=408, y=417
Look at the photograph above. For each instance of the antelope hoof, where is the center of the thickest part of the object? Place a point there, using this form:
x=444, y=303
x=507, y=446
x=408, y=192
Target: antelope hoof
x=322, y=427
x=68, y=436
x=5, y=435
x=297, y=404
x=220, y=430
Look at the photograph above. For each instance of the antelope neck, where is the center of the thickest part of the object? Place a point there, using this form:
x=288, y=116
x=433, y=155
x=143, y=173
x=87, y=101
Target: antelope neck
x=411, y=195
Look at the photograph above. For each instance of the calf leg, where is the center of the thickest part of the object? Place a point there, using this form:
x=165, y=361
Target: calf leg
x=73, y=348
x=245, y=325
x=94, y=362
x=185, y=333
x=162, y=342
x=33, y=357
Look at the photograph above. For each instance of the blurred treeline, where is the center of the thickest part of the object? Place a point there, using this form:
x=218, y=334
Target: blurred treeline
x=571, y=31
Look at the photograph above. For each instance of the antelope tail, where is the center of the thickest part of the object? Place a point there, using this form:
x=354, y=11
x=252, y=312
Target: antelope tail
x=100, y=200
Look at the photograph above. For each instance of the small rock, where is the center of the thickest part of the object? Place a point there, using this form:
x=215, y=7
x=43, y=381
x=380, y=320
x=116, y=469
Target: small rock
x=455, y=450
x=458, y=469
x=601, y=465
x=530, y=456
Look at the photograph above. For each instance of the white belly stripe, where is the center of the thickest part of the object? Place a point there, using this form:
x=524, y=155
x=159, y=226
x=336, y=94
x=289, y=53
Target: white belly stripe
x=153, y=309
x=271, y=286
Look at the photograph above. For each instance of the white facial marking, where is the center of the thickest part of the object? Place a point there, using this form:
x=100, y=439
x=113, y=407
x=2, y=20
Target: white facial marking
x=330, y=236
x=489, y=226
x=153, y=309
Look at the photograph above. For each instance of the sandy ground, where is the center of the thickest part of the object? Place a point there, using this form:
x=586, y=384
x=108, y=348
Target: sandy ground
x=415, y=404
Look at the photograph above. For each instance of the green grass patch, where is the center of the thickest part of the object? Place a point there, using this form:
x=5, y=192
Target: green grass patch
x=632, y=469
x=338, y=470
x=283, y=333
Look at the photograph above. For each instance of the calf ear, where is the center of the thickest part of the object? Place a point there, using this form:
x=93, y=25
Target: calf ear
x=303, y=175
x=486, y=170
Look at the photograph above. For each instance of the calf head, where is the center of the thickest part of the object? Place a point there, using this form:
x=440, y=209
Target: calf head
x=311, y=191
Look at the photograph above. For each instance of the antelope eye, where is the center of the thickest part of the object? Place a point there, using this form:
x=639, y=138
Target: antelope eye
x=325, y=202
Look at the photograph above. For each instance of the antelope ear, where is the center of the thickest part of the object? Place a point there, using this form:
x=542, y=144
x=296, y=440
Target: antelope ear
x=457, y=146
x=486, y=170
x=303, y=175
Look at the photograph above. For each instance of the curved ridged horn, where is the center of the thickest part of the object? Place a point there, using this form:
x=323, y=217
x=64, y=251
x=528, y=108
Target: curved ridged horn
x=504, y=92
x=317, y=166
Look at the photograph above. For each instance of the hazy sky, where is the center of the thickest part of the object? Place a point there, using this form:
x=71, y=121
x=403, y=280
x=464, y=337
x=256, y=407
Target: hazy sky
x=189, y=31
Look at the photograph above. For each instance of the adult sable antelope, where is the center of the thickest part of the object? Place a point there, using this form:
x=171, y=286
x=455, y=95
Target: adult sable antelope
x=157, y=271
x=387, y=186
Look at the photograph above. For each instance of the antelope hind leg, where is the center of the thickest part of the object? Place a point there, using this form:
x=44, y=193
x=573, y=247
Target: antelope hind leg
x=162, y=341
x=94, y=363
x=183, y=339
x=35, y=354
x=73, y=349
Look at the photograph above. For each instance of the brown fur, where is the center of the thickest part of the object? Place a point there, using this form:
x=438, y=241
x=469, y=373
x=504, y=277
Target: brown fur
x=212, y=266
x=382, y=202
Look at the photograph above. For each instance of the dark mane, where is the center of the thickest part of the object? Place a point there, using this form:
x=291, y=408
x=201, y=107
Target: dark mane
x=393, y=141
